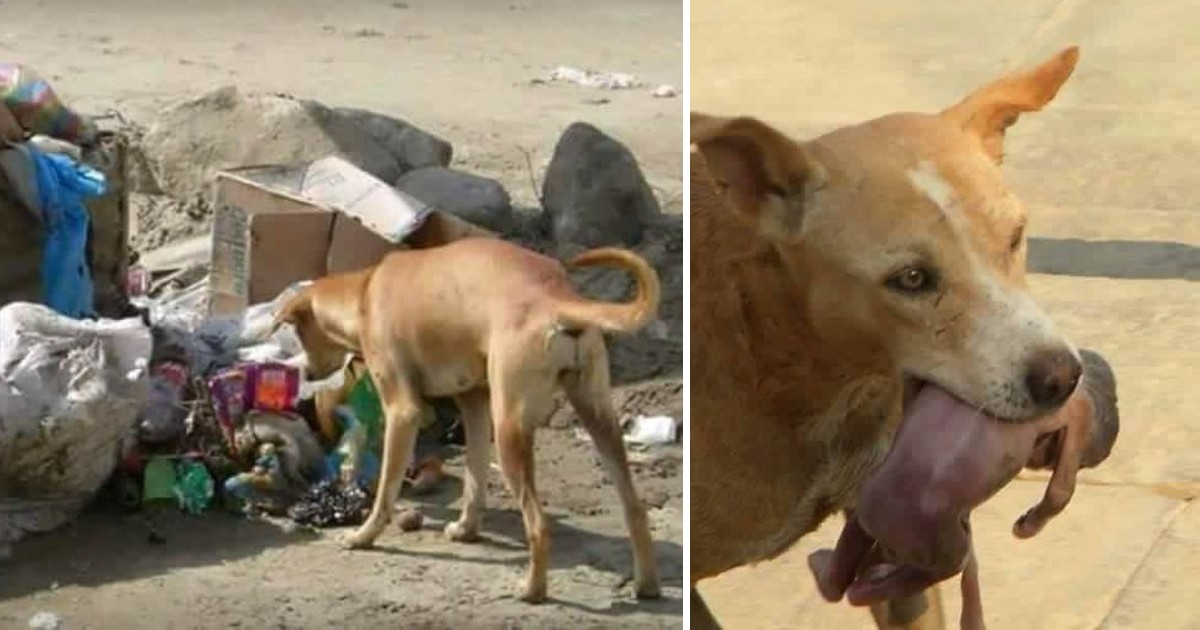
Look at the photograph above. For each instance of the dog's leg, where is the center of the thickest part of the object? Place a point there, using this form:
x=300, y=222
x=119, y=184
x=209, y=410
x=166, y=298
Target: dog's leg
x=922, y=611
x=477, y=425
x=402, y=412
x=590, y=394
x=514, y=444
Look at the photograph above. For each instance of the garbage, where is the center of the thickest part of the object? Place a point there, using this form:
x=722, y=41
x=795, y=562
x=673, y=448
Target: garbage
x=352, y=461
x=45, y=621
x=665, y=91
x=158, y=480
x=37, y=109
x=70, y=392
x=653, y=430
x=595, y=79
x=272, y=386
x=228, y=391
x=193, y=487
x=62, y=185
x=262, y=487
x=331, y=503
x=163, y=418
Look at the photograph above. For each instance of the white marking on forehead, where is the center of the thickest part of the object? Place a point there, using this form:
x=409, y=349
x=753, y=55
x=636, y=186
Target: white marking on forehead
x=928, y=181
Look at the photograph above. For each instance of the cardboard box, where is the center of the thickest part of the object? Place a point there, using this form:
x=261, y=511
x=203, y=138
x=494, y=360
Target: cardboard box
x=276, y=225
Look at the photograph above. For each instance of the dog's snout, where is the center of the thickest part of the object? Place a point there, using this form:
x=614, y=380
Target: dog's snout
x=1052, y=376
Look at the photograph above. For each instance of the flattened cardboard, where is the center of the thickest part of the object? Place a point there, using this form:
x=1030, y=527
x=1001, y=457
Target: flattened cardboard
x=337, y=184
x=266, y=235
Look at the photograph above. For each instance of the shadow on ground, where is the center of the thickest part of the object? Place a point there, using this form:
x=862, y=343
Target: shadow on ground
x=1133, y=260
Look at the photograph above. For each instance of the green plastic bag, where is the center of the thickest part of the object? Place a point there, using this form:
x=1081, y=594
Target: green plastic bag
x=364, y=400
x=158, y=480
x=193, y=486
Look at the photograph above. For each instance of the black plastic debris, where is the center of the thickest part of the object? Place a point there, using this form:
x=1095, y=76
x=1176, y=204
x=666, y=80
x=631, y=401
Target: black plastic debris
x=331, y=504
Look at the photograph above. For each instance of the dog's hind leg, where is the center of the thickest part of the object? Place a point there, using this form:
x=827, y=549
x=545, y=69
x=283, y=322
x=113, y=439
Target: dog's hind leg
x=477, y=425
x=402, y=412
x=517, y=408
x=590, y=393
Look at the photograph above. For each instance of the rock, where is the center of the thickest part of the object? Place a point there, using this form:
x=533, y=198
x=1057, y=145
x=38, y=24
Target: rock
x=476, y=199
x=594, y=193
x=413, y=148
x=410, y=520
x=191, y=141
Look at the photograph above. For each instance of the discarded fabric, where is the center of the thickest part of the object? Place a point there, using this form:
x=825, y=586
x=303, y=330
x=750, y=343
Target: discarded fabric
x=62, y=185
x=37, y=109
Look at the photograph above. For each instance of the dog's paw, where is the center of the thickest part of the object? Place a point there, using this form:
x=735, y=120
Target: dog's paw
x=532, y=593
x=648, y=589
x=459, y=532
x=357, y=540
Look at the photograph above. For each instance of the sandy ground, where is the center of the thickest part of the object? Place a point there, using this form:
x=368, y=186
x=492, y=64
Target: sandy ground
x=1108, y=173
x=462, y=70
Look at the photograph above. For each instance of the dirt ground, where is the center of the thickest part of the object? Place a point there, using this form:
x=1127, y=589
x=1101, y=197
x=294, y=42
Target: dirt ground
x=462, y=70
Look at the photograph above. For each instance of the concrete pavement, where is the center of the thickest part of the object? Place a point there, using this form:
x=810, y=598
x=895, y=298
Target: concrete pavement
x=1111, y=174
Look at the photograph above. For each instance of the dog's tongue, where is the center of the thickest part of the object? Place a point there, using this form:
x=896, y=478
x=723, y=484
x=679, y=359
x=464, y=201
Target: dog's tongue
x=947, y=458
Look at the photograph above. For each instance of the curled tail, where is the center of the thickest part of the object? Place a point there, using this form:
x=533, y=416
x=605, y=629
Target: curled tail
x=626, y=317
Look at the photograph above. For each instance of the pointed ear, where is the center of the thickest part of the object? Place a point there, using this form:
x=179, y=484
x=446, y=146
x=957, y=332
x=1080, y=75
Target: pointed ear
x=989, y=111
x=763, y=175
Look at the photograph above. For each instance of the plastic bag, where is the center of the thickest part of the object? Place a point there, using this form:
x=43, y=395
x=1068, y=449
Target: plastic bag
x=164, y=418
x=62, y=185
x=70, y=393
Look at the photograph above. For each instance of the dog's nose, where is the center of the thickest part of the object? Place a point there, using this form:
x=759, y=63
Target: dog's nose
x=1052, y=376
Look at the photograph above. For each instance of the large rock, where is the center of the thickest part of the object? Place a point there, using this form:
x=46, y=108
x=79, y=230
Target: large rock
x=413, y=148
x=193, y=140
x=476, y=199
x=594, y=193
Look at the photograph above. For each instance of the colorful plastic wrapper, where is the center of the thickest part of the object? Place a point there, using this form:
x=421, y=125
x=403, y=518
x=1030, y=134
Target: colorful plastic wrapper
x=37, y=109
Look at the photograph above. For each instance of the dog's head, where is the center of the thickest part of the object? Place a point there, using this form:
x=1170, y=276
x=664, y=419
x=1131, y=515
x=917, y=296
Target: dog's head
x=323, y=354
x=919, y=244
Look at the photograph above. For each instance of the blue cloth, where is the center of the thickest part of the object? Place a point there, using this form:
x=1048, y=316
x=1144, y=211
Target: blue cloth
x=62, y=185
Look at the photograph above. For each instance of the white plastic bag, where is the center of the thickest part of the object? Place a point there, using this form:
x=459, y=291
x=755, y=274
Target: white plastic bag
x=70, y=393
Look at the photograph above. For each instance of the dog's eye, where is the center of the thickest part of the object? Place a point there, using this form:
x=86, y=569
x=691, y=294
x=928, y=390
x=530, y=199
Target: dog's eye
x=1019, y=236
x=913, y=280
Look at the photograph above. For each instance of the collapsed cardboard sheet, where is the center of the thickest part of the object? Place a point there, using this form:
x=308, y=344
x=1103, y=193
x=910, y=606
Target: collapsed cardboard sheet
x=276, y=225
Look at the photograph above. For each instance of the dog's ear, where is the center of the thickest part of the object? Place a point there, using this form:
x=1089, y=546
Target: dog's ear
x=989, y=111
x=765, y=176
x=295, y=312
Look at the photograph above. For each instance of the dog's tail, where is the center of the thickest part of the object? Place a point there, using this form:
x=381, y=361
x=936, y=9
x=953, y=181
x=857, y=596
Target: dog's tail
x=626, y=317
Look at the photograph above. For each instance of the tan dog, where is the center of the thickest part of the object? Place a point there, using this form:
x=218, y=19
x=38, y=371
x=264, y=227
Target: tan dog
x=500, y=329
x=863, y=341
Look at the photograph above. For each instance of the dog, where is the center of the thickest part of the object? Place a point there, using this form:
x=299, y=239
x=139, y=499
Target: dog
x=501, y=330
x=863, y=342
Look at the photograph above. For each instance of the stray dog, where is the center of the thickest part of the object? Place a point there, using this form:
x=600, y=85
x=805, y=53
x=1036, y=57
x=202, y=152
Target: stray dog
x=499, y=328
x=864, y=342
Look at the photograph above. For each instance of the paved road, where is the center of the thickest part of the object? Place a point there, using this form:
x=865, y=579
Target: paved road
x=1111, y=173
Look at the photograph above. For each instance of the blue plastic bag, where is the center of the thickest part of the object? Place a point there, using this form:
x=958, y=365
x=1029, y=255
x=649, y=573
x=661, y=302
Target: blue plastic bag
x=62, y=185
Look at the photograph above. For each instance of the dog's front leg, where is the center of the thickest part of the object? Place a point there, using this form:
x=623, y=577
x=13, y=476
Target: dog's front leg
x=402, y=411
x=477, y=426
